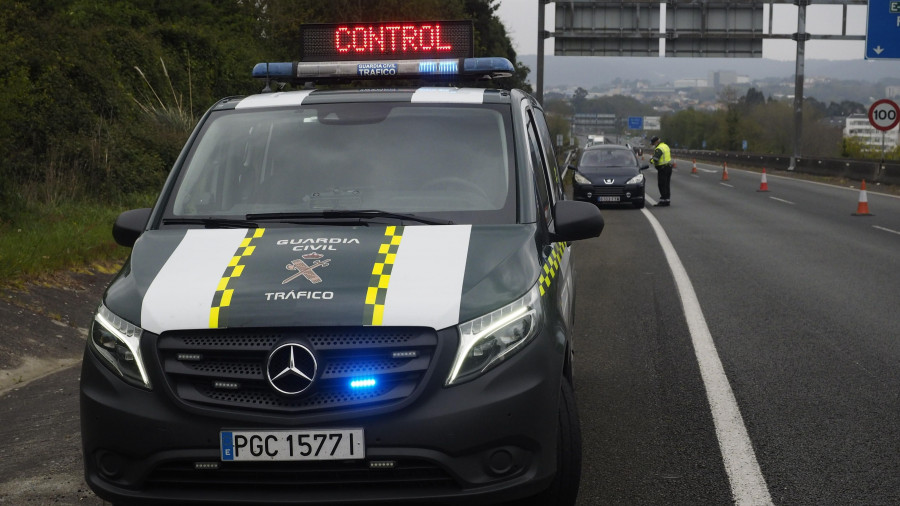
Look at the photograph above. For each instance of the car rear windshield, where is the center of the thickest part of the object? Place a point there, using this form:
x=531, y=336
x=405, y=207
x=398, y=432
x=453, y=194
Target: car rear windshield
x=453, y=162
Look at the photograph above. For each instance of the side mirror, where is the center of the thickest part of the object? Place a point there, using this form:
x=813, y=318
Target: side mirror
x=645, y=166
x=576, y=220
x=129, y=226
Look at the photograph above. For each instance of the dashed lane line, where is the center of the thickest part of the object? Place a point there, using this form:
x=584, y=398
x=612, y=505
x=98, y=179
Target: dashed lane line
x=748, y=487
x=782, y=200
x=886, y=229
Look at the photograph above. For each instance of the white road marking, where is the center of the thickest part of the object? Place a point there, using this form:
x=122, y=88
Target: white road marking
x=782, y=200
x=748, y=487
x=726, y=184
x=886, y=229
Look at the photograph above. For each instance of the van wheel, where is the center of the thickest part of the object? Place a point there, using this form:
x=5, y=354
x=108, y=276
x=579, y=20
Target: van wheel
x=564, y=489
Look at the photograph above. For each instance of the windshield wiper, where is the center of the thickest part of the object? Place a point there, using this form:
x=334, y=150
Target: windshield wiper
x=367, y=214
x=211, y=222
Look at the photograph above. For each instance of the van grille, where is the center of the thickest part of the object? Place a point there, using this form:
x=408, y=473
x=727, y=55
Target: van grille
x=227, y=368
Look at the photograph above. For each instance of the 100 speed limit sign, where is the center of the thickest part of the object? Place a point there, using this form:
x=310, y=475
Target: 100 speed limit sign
x=884, y=114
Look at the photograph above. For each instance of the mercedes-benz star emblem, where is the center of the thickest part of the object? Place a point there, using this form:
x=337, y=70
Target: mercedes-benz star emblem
x=291, y=368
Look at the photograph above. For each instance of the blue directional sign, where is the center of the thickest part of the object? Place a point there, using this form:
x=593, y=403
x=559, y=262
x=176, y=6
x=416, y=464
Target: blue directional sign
x=636, y=122
x=883, y=30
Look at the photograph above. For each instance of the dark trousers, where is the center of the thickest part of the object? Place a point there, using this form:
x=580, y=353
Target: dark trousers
x=664, y=178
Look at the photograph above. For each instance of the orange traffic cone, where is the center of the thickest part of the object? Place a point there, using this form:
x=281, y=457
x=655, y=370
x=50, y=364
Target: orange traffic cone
x=862, y=209
x=724, y=171
x=694, y=169
x=763, y=185
x=674, y=164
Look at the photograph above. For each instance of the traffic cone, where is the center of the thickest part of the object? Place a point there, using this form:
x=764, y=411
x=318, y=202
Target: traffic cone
x=694, y=169
x=674, y=164
x=763, y=185
x=862, y=209
x=724, y=171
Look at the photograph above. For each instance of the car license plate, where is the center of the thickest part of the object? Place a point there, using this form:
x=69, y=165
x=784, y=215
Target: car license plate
x=607, y=199
x=314, y=444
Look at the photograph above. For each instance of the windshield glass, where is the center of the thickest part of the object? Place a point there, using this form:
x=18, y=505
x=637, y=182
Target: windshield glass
x=608, y=157
x=444, y=161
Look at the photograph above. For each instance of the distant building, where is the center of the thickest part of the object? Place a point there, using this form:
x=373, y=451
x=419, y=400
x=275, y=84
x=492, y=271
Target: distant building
x=858, y=125
x=691, y=83
x=892, y=92
x=722, y=78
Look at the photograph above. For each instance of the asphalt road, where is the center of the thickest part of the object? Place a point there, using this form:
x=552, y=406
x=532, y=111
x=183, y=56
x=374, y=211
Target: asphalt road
x=801, y=302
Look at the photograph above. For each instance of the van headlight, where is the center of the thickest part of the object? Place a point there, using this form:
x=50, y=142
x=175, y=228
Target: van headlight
x=636, y=179
x=581, y=179
x=486, y=341
x=118, y=344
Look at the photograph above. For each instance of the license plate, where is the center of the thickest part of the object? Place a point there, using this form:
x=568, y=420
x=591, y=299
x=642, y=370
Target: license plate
x=608, y=199
x=314, y=444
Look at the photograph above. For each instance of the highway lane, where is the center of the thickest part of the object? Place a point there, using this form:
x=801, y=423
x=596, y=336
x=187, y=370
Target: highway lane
x=802, y=303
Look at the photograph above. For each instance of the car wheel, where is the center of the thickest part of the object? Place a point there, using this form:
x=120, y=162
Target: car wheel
x=564, y=489
x=639, y=205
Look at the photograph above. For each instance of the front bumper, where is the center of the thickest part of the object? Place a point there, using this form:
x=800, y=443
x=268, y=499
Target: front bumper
x=491, y=439
x=610, y=194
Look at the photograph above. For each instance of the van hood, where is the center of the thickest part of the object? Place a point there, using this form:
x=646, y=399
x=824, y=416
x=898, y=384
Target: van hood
x=430, y=276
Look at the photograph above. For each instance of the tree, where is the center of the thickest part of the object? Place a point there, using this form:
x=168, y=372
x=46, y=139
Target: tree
x=579, y=98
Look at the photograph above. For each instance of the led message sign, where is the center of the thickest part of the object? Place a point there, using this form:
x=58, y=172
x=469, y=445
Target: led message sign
x=379, y=41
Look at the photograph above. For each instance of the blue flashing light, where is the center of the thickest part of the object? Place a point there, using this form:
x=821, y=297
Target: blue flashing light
x=363, y=383
x=439, y=67
x=488, y=65
x=275, y=70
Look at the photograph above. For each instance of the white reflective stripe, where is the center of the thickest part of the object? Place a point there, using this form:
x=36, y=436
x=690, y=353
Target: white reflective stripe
x=181, y=294
x=426, y=282
x=449, y=95
x=279, y=99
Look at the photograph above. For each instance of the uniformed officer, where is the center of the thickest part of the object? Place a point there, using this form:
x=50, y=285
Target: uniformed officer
x=662, y=159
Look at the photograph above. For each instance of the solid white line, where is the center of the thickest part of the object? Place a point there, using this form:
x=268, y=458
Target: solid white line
x=782, y=200
x=748, y=487
x=886, y=229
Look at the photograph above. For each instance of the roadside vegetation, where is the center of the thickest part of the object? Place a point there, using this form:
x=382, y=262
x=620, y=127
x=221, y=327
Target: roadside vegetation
x=97, y=98
x=768, y=127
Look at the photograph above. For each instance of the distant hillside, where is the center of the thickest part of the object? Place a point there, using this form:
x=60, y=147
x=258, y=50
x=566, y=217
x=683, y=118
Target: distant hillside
x=586, y=71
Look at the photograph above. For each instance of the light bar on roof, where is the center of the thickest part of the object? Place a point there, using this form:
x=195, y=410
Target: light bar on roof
x=383, y=69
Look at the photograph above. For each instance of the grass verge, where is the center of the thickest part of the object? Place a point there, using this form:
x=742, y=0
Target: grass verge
x=67, y=236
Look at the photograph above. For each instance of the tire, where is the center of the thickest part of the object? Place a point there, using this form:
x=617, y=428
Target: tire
x=564, y=489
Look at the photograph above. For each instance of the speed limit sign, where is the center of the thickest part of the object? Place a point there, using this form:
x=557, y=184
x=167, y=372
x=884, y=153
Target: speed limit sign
x=884, y=114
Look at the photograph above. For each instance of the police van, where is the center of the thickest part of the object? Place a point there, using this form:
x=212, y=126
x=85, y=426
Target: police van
x=347, y=295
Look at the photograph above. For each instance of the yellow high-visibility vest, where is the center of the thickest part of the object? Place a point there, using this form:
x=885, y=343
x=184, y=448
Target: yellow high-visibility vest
x=665, y=157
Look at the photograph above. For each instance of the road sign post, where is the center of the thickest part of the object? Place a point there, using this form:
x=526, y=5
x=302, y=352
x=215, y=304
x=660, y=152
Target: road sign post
x=884, y=115
x=883, y=30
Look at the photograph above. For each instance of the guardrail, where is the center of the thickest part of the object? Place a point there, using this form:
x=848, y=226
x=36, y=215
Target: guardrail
x=871, y=170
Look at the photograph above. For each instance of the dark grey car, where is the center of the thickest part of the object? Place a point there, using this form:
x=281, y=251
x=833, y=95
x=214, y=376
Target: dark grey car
x=610, y=174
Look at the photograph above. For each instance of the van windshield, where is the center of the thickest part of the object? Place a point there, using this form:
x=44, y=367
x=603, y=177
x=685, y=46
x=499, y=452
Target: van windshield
x=445, y=161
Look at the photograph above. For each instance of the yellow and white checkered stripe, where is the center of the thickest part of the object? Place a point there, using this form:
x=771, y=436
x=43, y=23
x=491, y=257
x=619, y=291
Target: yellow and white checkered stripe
x=551, y=266
x=381, y=276
x=222, y=297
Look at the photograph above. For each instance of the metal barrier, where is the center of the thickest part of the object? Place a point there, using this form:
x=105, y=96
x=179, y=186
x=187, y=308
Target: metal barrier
x=870, y=170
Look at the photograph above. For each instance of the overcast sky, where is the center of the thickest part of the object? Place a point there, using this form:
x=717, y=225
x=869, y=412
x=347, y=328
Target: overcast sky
x=520, y=18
